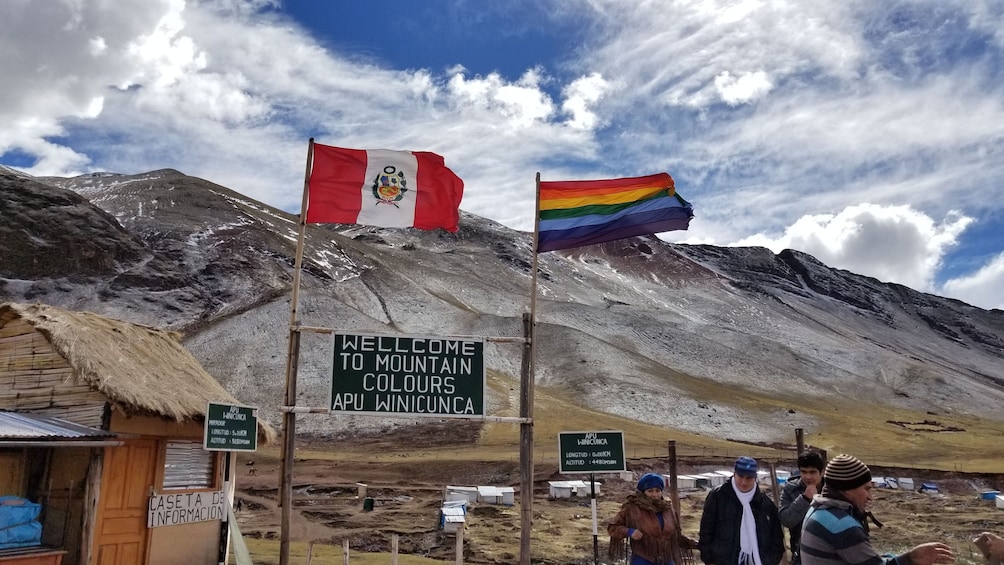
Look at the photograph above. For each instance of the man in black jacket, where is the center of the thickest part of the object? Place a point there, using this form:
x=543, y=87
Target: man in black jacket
x=797, y=495
x=740, y=525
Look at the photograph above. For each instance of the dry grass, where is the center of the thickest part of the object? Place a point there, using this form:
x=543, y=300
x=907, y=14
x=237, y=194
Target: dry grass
x=266, y=552
x=407, y=462
x=860, y=429
x=562, y=529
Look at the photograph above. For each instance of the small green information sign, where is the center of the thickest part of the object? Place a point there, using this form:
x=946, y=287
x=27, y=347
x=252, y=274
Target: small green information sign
x=231, y=428
x=591, y=452
x=408, y=374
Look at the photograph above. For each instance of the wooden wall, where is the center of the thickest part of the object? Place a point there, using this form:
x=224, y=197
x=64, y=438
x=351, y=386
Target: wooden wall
x=64, y=500
x=12, y=463
x=34, y=377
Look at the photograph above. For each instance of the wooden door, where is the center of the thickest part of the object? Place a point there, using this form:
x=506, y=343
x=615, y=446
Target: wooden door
x=126, y=480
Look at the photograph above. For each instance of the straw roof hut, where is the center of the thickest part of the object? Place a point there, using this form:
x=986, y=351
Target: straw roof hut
x=141, y=371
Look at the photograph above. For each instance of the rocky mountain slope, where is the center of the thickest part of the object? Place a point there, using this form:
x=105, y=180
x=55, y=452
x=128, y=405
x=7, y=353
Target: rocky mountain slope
x=727, y=342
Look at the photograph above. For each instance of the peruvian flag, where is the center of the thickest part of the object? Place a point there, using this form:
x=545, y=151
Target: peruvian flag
x=388, y=189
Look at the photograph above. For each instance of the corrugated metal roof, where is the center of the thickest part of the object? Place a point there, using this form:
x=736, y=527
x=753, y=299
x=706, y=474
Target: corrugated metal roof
x=24, y=426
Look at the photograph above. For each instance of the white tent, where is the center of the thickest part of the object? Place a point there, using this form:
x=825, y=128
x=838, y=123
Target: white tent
x=692, y=481
x=497, y=495
x=685, y=481
x=565, y=489
x=508, y=496
x=452, y=518
x=716, y=478
x=452, y=492
x=782, y=475
x=689, y=481
x=462, y=504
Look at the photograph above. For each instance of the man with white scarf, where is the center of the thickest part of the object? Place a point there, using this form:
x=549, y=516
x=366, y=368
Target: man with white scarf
x=740, y=525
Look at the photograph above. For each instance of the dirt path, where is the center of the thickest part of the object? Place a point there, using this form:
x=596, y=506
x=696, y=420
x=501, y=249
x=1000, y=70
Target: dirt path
x=408, y=494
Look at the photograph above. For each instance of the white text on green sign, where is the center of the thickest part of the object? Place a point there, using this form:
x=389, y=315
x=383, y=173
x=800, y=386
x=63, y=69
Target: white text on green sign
x=591, y=452
x=230, y=428
x=407, y=374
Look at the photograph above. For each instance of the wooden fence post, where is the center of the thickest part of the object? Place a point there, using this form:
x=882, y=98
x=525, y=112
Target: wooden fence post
x=393, y=549
x=345, y=552
x=774, y=490
x=460, y=546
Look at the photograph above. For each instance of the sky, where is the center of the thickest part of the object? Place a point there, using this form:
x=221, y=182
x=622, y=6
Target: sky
x=867, y=134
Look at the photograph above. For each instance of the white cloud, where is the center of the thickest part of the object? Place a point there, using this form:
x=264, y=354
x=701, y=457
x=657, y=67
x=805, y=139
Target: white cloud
x=743, y=89
x=774, y=117
x=891, y=243
x=674, y=51
x=521, y=103
x=982, y=287
x=580, y=95
x=97, y=46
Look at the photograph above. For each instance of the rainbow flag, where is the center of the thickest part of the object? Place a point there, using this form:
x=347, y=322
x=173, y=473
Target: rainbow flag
x=584, y=212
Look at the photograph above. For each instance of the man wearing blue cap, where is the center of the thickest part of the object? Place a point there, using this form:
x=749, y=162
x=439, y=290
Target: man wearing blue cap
x=740, y=525
x=649, y=521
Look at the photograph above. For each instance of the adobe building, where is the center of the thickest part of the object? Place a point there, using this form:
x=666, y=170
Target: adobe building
x=101, y=427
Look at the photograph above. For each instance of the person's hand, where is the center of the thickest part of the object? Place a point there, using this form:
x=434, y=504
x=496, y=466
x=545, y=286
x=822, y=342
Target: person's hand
x=810, y=491
x=930, y=553
x=636, y=535
x=990, y=544
x=997, y=546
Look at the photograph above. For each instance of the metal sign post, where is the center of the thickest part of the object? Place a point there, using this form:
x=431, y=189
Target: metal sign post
x=591, y=452
x=596, y=533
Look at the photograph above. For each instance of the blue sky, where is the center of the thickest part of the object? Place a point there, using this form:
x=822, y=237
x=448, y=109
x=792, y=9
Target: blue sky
x=869, y=134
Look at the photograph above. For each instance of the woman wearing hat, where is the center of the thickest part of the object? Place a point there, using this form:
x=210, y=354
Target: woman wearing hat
x=650, y=522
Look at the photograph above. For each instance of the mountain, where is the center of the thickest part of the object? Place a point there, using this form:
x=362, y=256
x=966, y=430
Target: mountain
x=734, y=343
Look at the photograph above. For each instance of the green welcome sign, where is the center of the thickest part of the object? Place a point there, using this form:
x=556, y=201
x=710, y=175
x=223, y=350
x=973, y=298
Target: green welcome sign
x=407, y=374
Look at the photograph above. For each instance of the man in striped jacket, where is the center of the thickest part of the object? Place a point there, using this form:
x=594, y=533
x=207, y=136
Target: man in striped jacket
x=835, y=530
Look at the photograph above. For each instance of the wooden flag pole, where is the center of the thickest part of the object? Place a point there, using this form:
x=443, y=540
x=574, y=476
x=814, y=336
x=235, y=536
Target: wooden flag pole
x=526, y=402
x=536, y=238
x=292, y=363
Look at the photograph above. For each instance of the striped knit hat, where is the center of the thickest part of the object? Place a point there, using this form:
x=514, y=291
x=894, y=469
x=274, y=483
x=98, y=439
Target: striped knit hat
x=846, y=472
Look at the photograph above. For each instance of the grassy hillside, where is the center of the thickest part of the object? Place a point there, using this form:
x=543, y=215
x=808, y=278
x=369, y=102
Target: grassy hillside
x=879, y=435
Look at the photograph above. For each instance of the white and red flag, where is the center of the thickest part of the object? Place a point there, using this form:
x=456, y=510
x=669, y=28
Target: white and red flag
x=377, y=187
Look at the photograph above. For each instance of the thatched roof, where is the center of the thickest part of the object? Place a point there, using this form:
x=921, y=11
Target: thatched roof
x=143, y=370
